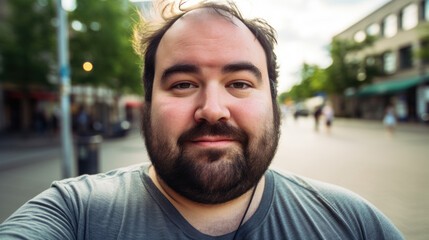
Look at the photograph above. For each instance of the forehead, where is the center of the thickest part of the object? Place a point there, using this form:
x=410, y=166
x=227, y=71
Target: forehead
x=205, y=38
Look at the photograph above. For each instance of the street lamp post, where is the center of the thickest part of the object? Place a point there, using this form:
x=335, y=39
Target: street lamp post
x=68, y=166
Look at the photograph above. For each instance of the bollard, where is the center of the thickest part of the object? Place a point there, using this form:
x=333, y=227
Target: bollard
x=87, y=152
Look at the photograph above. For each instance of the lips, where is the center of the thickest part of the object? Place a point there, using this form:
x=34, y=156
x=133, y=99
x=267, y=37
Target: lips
x=218, y=135
x=213, y=141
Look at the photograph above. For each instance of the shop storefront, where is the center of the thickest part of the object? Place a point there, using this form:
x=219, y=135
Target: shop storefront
x=408, y=96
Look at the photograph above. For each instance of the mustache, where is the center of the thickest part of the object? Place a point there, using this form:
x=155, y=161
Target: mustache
x=222, y=129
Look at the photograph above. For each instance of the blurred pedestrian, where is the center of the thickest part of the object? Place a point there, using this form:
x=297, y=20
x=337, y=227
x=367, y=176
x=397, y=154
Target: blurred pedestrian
x=317, y=114
x=56, y=119
x=211, y=126
x=83, y=121
x=40, y=122
x=54, y=124
x=328, y=113
x=389, y=119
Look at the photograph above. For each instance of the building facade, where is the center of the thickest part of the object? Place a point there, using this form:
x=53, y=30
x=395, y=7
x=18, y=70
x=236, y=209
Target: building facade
x=398, y=29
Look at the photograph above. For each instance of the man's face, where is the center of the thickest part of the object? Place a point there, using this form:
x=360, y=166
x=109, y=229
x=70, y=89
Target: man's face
x=210, y=129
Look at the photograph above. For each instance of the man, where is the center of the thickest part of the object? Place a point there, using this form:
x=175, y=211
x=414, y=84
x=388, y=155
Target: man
x=211, y=127
x=317, y=113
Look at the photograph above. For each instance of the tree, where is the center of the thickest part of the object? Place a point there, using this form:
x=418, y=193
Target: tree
x=343, y=72
x=27, y=50
x=283, y=97
x=423, y=53
x=27, y=43
x=313, y=81
x=101, y=34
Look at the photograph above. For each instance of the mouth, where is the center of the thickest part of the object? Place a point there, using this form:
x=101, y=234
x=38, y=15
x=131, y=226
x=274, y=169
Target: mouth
x=213, y=141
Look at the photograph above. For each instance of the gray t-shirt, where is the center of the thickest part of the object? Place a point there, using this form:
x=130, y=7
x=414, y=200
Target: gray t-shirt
x=126, y=204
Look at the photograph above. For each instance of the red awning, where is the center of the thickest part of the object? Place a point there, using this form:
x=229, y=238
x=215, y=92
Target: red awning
x=134, y=104
x=43, y=95
x=33, y=95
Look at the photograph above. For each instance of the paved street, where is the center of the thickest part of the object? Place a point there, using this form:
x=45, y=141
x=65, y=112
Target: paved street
x=389, y=171
x=392, y=172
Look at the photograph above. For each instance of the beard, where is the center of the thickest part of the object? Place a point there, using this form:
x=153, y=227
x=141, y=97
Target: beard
x=211, y=176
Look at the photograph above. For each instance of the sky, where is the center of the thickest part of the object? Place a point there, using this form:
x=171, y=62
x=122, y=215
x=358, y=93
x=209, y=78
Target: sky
x=305, y=29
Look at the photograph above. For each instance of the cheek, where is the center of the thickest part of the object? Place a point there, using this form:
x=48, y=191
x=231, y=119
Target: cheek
x=170, y=116
x=253, y=116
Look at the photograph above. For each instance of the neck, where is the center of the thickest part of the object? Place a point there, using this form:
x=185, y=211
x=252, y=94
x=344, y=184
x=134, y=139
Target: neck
x=212, y=219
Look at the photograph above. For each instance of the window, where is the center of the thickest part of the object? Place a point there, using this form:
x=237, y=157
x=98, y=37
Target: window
x=409, y=17
x=360, y=36
x=390, y=26
x=424, y=10
x=405, y=57
x=389, y=62
x=373, y=29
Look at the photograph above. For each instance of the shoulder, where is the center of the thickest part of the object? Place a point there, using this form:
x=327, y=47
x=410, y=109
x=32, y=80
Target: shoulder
x=102, y=182
x=100, y=191
x=337, y=198
x=71, y=206
x=335, y=204
x=311, y=187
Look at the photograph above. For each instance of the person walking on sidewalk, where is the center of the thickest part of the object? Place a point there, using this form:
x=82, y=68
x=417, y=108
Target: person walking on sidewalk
x=317, y=114
x=389, y=120
x=328, y=113
x=211, y=128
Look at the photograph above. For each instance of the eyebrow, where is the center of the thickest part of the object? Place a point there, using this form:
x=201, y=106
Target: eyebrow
x=243, y=66
x=179, y=68
x=229, y=68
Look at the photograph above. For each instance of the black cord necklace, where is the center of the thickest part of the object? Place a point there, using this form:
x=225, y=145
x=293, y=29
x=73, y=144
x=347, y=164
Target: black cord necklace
x=245, y=212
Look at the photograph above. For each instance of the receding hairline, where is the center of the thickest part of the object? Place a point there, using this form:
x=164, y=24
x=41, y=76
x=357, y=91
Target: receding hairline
x=208, y=10
x=196, y=15
x=199, y=13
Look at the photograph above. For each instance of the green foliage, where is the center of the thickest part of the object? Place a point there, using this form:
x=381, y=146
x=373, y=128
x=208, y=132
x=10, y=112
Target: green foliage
x=27, y=42
x=282, y=97
x=340, y=75
x=313, y=80
x=423, y=53
x=105, y=41
x=343, y=73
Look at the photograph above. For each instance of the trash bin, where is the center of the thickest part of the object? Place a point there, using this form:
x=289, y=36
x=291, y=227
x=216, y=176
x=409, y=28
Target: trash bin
x=87, y=154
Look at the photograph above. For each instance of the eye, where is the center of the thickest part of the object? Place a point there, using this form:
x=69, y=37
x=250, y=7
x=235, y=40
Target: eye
x=239, y=85
x=183, y=85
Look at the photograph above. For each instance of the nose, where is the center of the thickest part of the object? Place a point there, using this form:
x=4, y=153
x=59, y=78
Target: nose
x=212, y=106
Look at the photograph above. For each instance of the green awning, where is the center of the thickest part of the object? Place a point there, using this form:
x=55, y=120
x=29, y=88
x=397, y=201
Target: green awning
x=390, y=86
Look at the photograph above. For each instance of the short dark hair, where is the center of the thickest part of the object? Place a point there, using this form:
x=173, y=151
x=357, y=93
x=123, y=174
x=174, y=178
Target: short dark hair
x=148, y=34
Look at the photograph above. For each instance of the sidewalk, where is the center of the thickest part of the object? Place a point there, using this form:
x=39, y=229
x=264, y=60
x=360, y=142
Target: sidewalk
x=17, y=149
x=377, y=125
x=32, y=140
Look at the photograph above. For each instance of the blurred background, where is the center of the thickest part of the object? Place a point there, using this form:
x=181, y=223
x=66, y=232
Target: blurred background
x=353, y=90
